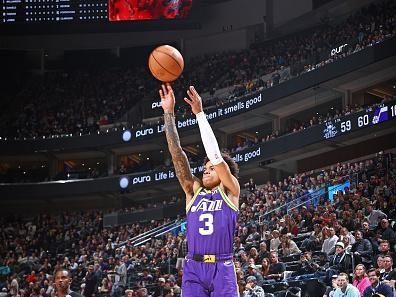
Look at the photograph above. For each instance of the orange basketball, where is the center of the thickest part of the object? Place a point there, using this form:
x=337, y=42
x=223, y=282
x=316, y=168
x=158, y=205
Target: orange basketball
x=166, y=63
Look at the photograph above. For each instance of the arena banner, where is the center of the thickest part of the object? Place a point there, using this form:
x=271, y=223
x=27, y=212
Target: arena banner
x=244, y=156
x=227, y=110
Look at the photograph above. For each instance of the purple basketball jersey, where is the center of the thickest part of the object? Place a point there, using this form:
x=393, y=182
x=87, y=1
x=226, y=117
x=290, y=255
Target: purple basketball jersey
x=211, y=223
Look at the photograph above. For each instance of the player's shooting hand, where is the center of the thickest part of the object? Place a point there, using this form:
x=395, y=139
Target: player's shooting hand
x=167, y=98
x=194, y=100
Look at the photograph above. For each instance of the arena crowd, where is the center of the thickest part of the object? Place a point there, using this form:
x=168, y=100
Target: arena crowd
x=288, y=239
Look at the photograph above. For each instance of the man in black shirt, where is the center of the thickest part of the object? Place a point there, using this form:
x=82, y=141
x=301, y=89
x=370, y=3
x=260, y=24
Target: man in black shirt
x=362, y=249
x=276, y=268
x=389, y=275
x=386, y=232
x=263, y=253
x=91, y=282
x=307, y=265
x=366, y=232
x=341, y=261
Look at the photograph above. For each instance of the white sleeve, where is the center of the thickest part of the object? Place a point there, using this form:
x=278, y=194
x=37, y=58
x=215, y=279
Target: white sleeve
x=209, y=139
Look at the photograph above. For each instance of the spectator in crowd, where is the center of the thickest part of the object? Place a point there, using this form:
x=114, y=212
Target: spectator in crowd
x=315, y=239
x=276, y=268
x=265, y=265
x=252, y=289
x=252, y=271
x=275, y=241
x=244, y=260
x=388, y=276
x=91, y=282
x=344, y=232
x=360, y=279
x=241, y=287
x=374, y=216
x=345, y=289
x=380, y=263
x=244, y=235
x=182, y=248
x=289, y=247
x=146, y=277
x=385, y=249
x=173, y=285
x=121, y=275
x=329, y=243
x=367, y=233
x=376, y=286
x=387, y=232
x=341, y=261
x=251, y=185
x=105, y=288
x=262, y=253
x=334, y=286
x=253, y=238
x=362, y=249
x=168, y=292
x=4, y=292
x=32, y=277
x=159, y=291
x=282, y=226
x=142, y=292
x=14, y=285
x=307, y=265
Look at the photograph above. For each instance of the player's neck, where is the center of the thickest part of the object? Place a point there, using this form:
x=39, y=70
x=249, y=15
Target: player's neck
x=212, y=188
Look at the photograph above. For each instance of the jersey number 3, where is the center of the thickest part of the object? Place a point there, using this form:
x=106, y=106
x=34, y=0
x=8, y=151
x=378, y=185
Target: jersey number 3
x=208, y=219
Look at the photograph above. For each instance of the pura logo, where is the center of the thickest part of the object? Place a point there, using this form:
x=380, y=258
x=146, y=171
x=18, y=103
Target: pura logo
x=338, y=50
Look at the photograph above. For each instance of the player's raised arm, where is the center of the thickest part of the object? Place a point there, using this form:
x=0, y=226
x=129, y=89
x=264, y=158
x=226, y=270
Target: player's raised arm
x=211, y=146
x=179, y=158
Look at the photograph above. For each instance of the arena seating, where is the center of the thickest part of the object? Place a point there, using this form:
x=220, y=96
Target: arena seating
x=33, y=247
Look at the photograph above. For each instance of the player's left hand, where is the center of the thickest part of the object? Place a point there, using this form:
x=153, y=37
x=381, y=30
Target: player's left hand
x=194, y=100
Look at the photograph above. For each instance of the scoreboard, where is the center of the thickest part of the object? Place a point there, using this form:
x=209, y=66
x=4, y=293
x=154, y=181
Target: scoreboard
x=52, y=11
x=42, y=16
x=369, y=117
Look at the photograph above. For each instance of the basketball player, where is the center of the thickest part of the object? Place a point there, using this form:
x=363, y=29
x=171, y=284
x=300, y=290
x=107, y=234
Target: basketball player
x=63, y=281
x=211, y=206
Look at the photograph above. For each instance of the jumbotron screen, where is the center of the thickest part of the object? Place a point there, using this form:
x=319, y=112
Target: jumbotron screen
x=44, y=12
x=123, y=10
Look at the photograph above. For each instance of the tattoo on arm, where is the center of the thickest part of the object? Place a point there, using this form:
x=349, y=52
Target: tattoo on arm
x=179, y=158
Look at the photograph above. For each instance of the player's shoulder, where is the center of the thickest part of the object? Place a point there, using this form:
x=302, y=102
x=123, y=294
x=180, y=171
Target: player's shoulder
x=229, y=198
x=228, y=193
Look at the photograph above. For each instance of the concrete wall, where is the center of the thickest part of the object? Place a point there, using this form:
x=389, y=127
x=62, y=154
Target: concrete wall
x=286, y=10
x=233, y=40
